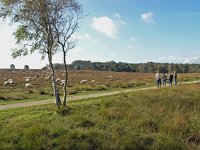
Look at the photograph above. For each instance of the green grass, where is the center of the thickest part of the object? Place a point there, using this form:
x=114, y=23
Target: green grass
x=10, y=95
x=165, y=119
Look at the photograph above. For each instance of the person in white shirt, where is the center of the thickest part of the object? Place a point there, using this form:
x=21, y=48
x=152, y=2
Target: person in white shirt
x=158, y=79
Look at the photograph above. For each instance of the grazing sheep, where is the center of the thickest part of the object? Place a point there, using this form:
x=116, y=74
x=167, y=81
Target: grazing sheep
x=34, y=77
x=58, y=80
x=28, y=85
x=62, y=82
x=9, y=82
x=92, y=81
x=28, y=79
x=83, y=81
x=6, y=83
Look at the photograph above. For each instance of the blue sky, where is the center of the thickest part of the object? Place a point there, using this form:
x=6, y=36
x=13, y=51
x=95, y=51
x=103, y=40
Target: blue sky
x=128, y=31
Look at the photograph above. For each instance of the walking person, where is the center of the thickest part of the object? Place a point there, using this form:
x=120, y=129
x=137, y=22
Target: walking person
x=170, y=78
x=164, y=79
x=158, y=79
x=175, y=78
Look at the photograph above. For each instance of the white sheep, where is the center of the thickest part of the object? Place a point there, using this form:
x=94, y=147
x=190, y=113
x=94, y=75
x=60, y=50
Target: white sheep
x=33, y=77
x=28, y=85
x=62, y=82
x=83, y=81
x=6, y=83
x=10, y=81
x=28, y=79
x=92, y=81
x=58, y=80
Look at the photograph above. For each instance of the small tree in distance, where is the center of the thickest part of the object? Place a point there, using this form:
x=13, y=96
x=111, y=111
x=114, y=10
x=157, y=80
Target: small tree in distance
x=26, y=67
x=12, y=67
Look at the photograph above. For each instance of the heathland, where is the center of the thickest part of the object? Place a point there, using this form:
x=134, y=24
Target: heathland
x=97, y=81
x=164, y=118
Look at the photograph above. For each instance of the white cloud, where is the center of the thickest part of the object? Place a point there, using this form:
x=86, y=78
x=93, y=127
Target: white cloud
x=175, y=59
x=105, y=25
x=147, y=17
x=191, y=60
x=118, y=19
x=117, y=15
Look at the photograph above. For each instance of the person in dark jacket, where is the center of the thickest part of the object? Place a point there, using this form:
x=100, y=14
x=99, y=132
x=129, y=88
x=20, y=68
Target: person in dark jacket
x=170, y=78
x=164, y=79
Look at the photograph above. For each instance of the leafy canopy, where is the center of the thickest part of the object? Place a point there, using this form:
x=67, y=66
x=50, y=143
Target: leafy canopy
x=39, y=23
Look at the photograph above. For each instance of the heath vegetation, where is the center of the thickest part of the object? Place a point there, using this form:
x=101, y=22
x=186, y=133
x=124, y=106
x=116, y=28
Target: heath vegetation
x=166, y=118
x=97, y=81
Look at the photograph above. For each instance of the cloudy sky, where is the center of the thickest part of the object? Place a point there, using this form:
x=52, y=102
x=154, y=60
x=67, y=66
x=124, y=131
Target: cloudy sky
x=131, y=31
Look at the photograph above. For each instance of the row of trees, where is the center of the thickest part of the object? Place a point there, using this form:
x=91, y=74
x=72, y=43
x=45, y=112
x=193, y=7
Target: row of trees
x=130, y=67
x=45, y=26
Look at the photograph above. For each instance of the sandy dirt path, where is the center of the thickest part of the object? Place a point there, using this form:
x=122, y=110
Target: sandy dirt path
x=81, y=97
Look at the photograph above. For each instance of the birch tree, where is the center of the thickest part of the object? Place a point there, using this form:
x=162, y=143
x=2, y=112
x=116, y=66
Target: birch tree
x=38, y=29
x=65, y=26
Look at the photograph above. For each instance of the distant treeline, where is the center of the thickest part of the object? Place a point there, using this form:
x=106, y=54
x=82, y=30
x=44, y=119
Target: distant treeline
x=149, y=67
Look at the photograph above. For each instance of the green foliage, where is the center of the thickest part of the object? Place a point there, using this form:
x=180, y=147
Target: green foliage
x=22, y=33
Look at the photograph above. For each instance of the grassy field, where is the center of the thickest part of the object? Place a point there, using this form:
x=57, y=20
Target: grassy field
x=98, y=81
x=165, y=119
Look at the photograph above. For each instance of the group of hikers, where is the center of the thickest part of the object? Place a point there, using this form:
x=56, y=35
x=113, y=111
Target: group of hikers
x=164, y=79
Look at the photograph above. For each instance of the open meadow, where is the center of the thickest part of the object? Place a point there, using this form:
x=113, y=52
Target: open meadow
x=97, y=81
x=165, y=119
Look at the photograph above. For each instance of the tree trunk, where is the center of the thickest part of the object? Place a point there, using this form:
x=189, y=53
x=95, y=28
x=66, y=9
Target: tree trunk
x=55, y=87
x=66, y=80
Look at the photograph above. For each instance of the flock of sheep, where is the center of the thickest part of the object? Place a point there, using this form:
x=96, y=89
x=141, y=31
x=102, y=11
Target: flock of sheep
x=28, y=80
